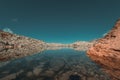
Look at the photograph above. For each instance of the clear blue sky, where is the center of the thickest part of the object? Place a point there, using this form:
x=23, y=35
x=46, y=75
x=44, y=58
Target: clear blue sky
x=59, y=20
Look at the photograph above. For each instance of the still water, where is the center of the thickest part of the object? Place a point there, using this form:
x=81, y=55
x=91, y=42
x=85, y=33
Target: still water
x=62, y=64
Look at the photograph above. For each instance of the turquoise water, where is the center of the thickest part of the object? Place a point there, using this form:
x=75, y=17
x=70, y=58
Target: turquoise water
x=63, y=64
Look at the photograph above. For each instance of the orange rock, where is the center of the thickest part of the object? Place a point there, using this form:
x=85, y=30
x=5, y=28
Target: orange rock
x=106, y=52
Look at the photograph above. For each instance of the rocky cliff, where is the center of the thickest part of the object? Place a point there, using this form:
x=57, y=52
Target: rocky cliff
x=106, y=52
x=15, y=46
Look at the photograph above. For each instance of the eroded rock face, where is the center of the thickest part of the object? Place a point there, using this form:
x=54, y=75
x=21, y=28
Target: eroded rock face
x=106, y=52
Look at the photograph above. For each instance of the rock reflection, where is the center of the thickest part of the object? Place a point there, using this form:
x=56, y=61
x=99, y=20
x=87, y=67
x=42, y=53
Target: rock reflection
x=111, y=65
x=15, y=46
x=8, y=54
x=63, y=64
x=8, y=51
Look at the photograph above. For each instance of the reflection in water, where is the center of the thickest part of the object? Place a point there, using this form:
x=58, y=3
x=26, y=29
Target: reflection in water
x=110, y=65
x=9, y=53
x=63, y=64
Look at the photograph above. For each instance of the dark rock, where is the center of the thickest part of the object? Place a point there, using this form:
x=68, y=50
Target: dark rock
x=74, y=77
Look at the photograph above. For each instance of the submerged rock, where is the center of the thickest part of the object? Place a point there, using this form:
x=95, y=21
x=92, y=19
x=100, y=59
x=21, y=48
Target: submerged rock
x=74, y=77
x=106, y=52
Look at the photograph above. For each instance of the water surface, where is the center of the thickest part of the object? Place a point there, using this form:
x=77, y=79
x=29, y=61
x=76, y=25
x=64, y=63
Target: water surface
x=62, y=64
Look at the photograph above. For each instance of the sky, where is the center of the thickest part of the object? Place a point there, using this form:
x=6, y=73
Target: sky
x=63, y=21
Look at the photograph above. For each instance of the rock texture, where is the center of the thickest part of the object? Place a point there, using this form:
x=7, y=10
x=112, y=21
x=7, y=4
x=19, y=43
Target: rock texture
x=81, y=45
x=78, y=45
x=106, y=52
x=15, y=46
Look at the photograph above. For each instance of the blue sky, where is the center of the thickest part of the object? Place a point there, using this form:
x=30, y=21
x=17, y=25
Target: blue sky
x=62, y=21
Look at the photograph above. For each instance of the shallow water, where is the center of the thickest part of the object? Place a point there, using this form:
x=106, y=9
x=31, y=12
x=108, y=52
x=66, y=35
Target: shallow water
x=63, y=64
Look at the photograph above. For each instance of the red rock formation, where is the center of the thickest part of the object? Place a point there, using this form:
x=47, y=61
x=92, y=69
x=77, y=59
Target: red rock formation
x=106, y=52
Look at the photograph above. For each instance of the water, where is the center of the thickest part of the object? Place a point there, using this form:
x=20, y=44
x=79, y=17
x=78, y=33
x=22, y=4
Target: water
x=63, y=64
